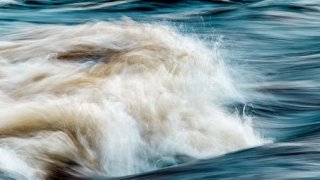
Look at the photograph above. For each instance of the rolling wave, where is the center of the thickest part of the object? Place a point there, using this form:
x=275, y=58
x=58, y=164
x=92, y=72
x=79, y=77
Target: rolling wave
x=113, y=99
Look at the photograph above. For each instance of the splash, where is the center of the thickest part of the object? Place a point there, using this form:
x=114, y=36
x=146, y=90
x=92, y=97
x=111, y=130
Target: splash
x=112, y=99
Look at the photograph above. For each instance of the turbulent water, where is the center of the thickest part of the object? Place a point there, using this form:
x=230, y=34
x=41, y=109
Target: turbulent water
x=132, y=89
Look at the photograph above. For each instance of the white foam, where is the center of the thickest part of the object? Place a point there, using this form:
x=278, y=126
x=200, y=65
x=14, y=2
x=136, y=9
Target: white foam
x=166, y=104
x=14, y=166
x=6, y=2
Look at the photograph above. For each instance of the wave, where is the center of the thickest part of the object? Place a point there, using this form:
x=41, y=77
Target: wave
x=88, y=6
x=113, y=99
x=8, y=2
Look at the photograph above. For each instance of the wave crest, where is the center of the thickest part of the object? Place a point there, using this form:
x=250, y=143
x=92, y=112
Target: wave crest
x=114, y=99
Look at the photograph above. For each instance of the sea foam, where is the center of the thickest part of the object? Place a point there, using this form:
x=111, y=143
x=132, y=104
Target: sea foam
x=113, y=99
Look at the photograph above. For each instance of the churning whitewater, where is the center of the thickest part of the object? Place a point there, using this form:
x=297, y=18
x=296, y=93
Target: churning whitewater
x=113, y=99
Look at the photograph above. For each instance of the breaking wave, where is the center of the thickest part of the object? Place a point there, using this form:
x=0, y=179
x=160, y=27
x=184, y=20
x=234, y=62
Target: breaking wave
x=113, y=99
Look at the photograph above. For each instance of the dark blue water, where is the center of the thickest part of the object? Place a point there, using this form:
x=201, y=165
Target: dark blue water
x=274, y=49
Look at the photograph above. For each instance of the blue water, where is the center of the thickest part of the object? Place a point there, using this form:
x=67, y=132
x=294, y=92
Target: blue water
x=273, y=50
